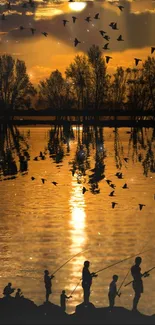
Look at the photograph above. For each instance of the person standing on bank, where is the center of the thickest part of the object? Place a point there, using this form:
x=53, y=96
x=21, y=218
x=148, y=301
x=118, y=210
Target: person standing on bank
x=48, y=283
x=113, y=292
x=137, y=281
x=63, y=299
x=87, y=281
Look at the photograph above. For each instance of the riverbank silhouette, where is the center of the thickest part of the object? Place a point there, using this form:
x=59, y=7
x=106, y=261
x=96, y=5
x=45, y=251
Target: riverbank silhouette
x=25, y=311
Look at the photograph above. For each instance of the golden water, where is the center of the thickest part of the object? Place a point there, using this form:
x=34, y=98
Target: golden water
x=42, y=225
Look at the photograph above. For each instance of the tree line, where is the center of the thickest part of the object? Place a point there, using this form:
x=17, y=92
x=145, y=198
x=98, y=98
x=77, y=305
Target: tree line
x=86, y=86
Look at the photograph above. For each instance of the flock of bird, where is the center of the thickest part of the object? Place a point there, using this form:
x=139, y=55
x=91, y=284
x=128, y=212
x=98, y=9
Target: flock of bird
x=119, y=175
x=113, y=25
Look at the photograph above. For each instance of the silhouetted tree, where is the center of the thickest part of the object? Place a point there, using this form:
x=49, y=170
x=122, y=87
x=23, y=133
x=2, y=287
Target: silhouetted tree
x=98, y=77
x=54, y=91
x=15, y=86
x=78, y=73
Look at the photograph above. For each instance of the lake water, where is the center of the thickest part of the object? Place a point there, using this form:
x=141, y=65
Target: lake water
x=43, y=225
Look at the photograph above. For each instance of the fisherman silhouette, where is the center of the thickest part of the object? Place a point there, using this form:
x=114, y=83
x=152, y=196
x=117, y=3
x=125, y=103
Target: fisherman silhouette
x=48, y=283
x=137, y=281
x=87, y=281
x=8, y=290
x=63, y=298
x=19, y=294
x=113, y=291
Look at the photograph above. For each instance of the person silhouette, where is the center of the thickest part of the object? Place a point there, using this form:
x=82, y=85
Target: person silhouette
x=18, y=294
x=63, y=299
x=8, y=290
x=112, y=291
x=87, y=281
x=137, y=281
x=48, y=283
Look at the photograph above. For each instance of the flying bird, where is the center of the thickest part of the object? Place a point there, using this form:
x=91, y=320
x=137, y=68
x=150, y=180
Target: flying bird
x=45, y=34
x=108, y=58
x=84, y=190
x=43, y=180
x=96, y=16
x=111, y=193
x=121, y=8
x=152, y=49
x=108, y=181
x=102, y=32
x=106, y=37
x=114, y=26
x=88, y=19
x=120, y=38
x=112, y=185
x=54, y=183
x=105, y=47
x=141, y=206
x=113, y=204
x=32, y=30
x=137, y=61
x=65, y=22
x=74, y=19
x=125, y=185
x=112, y=23
x=76, y=42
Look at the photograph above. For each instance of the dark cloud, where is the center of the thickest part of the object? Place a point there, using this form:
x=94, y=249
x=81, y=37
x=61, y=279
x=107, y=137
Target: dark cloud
x=136, y=27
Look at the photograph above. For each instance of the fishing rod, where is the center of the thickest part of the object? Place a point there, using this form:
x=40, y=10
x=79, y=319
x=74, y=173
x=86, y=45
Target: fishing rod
x=69, y=261
x=145, y=274
x=75, y=288
x=121, y=261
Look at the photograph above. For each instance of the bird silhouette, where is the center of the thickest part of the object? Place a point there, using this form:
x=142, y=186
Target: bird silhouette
x=126, y=159
x=108, y=181
x=45, y=34
x=33, y=178
x=32, y=30
x=35, y=158
x=111, y=193
x=88, y=19
x=102, y=32
x=74, y=19
x=65, y=22
x=112, y=23
x=54, y=183
x=121, y=8
x=105, y=47
x=125, y=186
x=152, y=49
x=84, y=190
x=119, y=175
x=96, y=16
x=120, y=38
x=137, y=61
x=141, y=206
x=113, y=204
x=108, y=58
x=76, y=42
x=106, y=37
x=43, y=180
x=112, y=185
x=114, y=26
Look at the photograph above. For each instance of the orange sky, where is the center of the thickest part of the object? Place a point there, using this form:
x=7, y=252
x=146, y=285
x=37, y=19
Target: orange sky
x=42, y=55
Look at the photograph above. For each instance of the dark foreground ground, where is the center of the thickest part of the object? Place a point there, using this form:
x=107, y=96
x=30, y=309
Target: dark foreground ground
x=25, y=311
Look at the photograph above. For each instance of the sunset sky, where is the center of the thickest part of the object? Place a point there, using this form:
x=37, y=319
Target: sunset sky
x=43, y=54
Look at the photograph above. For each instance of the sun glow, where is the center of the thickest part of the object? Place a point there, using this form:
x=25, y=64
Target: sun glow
x=77, y=6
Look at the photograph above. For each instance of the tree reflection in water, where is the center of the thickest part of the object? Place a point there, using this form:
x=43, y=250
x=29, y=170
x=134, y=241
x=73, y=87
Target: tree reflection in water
x=12, y=145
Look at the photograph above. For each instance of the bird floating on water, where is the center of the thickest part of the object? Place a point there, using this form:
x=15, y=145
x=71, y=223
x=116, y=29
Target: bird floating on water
x=125, y=186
